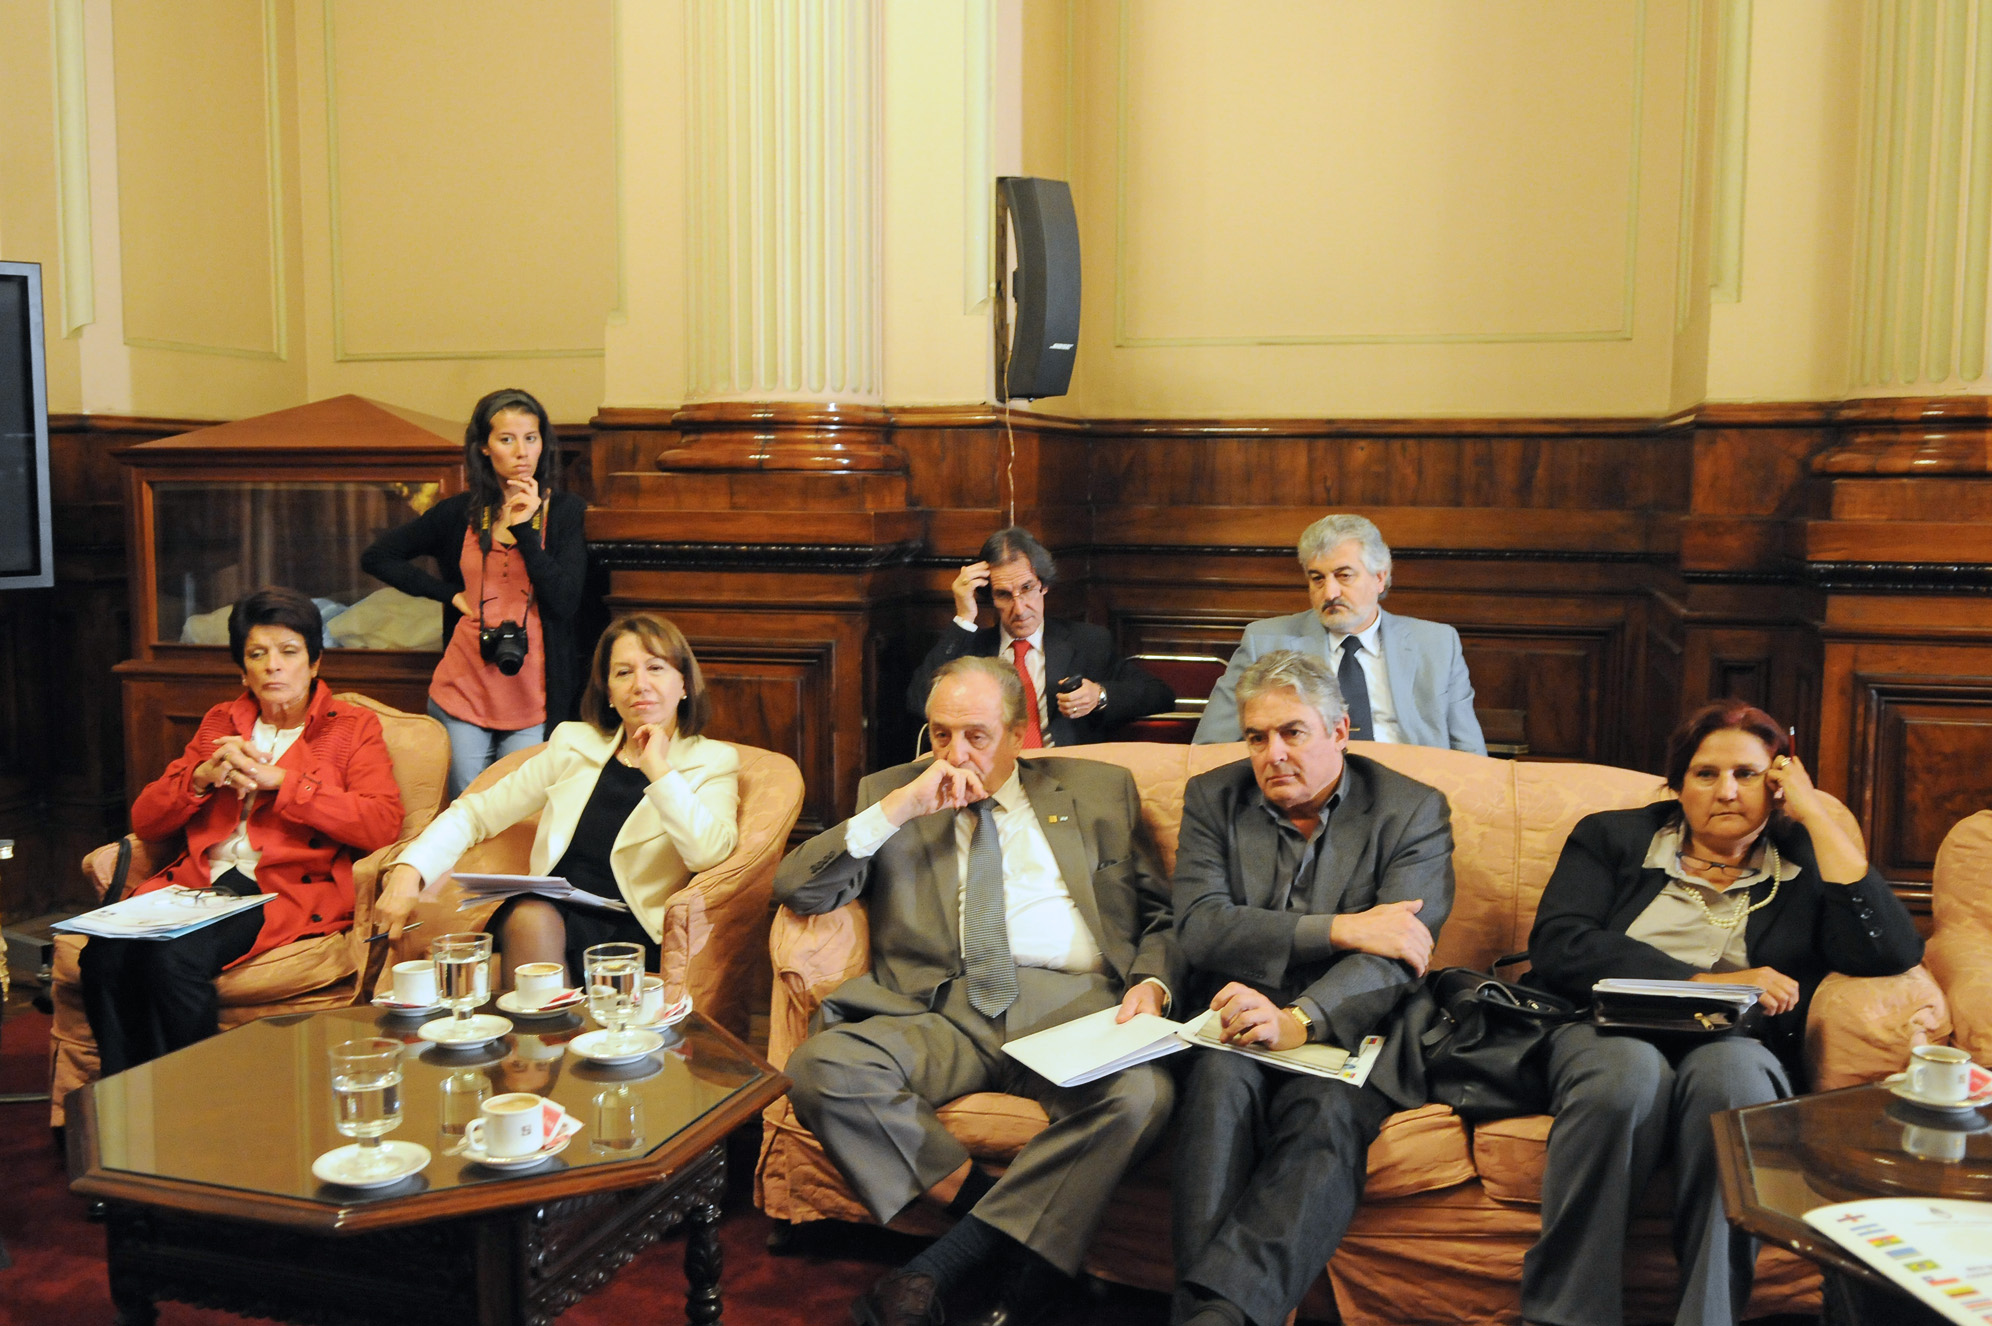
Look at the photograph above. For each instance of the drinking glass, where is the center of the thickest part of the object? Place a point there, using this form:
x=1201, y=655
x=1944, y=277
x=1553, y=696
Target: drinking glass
x=615, y=988
x=460, y=962
x=366, y=1096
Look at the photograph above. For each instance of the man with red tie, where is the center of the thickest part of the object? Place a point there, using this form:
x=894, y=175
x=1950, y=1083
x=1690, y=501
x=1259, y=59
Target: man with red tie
x=1077, y=689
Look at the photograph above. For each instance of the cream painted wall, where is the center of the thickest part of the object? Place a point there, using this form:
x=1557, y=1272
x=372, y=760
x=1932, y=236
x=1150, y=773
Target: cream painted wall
x=1437, y=207
x=1785, y=338
x=646, y=349
x=29, y=223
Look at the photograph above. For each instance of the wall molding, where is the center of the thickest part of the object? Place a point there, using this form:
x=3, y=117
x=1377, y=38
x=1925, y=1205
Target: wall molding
x=340, y=350
x=273, y=183
x=1123, y=339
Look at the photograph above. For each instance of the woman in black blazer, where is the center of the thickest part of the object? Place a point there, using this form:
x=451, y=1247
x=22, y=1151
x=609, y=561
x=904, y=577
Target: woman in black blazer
x=511, y=552
x=1745, y=878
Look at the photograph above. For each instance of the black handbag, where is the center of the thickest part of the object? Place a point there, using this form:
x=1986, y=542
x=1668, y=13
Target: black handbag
x=1485, y=1050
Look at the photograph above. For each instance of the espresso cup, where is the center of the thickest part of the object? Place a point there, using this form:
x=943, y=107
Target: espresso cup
x=415, y=983
x=537, y=982
x=1940, y=1073
x=652, y=1007
x=513, y=1124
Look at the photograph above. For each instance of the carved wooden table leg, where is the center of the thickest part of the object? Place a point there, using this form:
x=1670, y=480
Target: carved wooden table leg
x=133, y=1304
x=702, y=1264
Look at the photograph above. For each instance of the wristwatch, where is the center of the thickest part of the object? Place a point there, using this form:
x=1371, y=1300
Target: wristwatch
x=1299, y=1014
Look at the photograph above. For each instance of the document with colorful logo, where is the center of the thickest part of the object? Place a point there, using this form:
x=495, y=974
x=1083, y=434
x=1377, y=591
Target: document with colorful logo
x=1938, y=1250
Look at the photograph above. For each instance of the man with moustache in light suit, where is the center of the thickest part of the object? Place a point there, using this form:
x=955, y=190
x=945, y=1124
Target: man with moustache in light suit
x=1003, y=898
x=1403, y=679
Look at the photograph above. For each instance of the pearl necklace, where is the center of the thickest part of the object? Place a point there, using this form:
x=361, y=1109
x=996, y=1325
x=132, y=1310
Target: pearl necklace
x=1736, y=916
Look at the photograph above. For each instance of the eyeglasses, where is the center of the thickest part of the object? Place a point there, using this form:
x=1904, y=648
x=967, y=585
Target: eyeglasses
x=1702, y=866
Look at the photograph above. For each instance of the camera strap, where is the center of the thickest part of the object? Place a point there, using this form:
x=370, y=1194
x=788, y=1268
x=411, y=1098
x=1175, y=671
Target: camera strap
x=484, y=563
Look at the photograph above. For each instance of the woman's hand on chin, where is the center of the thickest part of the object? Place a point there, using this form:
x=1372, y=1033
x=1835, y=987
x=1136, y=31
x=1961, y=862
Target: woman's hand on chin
x=652, y=744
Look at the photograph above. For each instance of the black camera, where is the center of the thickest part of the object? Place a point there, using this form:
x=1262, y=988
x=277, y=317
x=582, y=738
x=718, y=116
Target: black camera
x=504, y=646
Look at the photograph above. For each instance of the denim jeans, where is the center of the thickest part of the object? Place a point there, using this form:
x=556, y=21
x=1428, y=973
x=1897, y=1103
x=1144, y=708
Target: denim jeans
x=474, y=749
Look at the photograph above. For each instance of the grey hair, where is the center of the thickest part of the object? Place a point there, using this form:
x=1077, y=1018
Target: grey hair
x=1331, y=532
x=1303, y=674
x=1007, y=545
x=1003, y=674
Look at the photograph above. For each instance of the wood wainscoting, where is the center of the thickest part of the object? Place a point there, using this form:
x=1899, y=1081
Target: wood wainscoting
x=1606, y=576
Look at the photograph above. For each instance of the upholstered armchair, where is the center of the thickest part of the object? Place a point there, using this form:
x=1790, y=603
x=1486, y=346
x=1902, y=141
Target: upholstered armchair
x=715, y=942
x=325, y=971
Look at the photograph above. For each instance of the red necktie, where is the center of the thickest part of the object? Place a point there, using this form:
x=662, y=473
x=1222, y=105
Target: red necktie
x=1033, y=734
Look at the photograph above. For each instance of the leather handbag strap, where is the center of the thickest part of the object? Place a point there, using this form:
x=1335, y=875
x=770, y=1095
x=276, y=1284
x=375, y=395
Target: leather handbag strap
x=118, y=876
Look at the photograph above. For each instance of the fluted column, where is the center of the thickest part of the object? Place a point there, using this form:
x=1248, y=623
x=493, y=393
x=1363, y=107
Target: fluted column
x=1923, y=267
x=784, y=237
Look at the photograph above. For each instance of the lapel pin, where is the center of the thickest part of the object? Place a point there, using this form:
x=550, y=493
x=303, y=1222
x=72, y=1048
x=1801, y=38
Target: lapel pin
x=1056, y=819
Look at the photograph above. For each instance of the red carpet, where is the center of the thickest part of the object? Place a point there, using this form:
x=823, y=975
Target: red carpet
x=57, y=1278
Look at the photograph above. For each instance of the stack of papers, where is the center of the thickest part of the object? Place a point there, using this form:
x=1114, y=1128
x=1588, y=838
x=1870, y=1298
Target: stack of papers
x=1938, y=1250
x=164, y=913
x=1092, y=1047
x=483, y=888
x=1740, y=995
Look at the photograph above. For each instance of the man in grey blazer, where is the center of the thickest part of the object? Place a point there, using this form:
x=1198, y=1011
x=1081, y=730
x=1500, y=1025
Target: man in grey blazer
x=1403, y=679
x=1310, y=886
x=1003, y=898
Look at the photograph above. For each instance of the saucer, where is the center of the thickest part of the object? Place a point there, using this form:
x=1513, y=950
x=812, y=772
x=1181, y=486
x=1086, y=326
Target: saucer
x=589, y=1046
x=547, y=1152
x=336, y=1165
x=1899, y=1084
x=481, y=1027
x=671, y=1016
x=518, y=1008
x=387, y=1005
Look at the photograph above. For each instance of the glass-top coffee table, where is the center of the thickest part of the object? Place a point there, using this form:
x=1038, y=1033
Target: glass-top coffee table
x=204, y=1158
x=1782, y=1159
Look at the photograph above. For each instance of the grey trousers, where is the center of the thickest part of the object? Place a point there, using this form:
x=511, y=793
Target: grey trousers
x=1269, y=1166
x=868, y=1091
x=1622, y=1110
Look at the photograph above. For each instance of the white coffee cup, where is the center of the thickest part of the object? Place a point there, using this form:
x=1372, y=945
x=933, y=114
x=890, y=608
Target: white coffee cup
x=537, y=982
x=513, y=1124
x=652, y=1007
x=1940, y=1144
x=415, y=983
x=1940, y=1072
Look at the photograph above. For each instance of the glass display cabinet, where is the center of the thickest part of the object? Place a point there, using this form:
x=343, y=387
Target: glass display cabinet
x=291, y=498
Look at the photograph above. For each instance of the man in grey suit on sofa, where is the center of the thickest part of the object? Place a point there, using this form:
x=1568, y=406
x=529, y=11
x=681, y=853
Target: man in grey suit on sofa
x=1403, y=679
x=1003, y=898
x=1310, y=886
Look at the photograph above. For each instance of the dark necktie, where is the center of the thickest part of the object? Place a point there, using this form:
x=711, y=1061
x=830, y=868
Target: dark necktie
x=991, y=970
x=1355, y=689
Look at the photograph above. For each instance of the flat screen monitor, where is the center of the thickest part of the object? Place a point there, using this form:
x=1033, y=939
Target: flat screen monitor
x=27, y=540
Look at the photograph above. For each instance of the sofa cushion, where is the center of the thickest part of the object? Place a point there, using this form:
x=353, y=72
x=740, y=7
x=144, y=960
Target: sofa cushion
x=1960, y=948
x=1508, y=1155
x=1419, y=1150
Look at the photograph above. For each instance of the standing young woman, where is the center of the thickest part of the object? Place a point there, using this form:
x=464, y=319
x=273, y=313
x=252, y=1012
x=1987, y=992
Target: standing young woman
x=511, y=553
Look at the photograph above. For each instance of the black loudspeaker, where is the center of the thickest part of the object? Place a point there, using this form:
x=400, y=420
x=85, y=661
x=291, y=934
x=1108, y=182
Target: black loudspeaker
x=1046, y=288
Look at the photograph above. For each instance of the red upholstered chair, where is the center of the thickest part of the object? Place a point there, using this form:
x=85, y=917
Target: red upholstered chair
x=325, y=971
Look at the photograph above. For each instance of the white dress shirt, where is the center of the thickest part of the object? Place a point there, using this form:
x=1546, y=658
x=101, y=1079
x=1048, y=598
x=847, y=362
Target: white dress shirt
x=234, y=851
x=1369, y=657
x=1046, y=929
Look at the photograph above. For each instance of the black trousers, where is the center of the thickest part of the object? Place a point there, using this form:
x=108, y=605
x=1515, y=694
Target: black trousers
x=148, y=997
x=1269, y=1166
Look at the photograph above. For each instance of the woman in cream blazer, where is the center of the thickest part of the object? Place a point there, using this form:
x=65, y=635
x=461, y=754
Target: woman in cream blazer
x=632, y=802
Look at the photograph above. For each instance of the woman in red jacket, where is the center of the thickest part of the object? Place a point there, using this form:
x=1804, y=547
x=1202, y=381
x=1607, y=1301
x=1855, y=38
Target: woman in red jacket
x=280, y=790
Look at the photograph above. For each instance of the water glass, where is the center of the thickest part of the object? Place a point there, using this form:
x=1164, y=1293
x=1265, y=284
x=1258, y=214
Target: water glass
x=460, y=961
x=618, y=1122
x=615, y=987
x=366, y=1095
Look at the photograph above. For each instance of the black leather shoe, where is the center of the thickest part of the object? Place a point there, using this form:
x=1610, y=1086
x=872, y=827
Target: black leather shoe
x=900, y=1299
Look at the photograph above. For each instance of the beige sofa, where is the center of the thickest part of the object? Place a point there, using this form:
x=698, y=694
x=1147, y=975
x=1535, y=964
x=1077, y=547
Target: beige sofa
x=325, y=971
x=714, y=927
x=1449, y=1210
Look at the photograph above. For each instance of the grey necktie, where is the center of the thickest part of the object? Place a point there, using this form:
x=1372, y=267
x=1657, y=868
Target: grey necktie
x=992, y=971
x=1355, y=690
